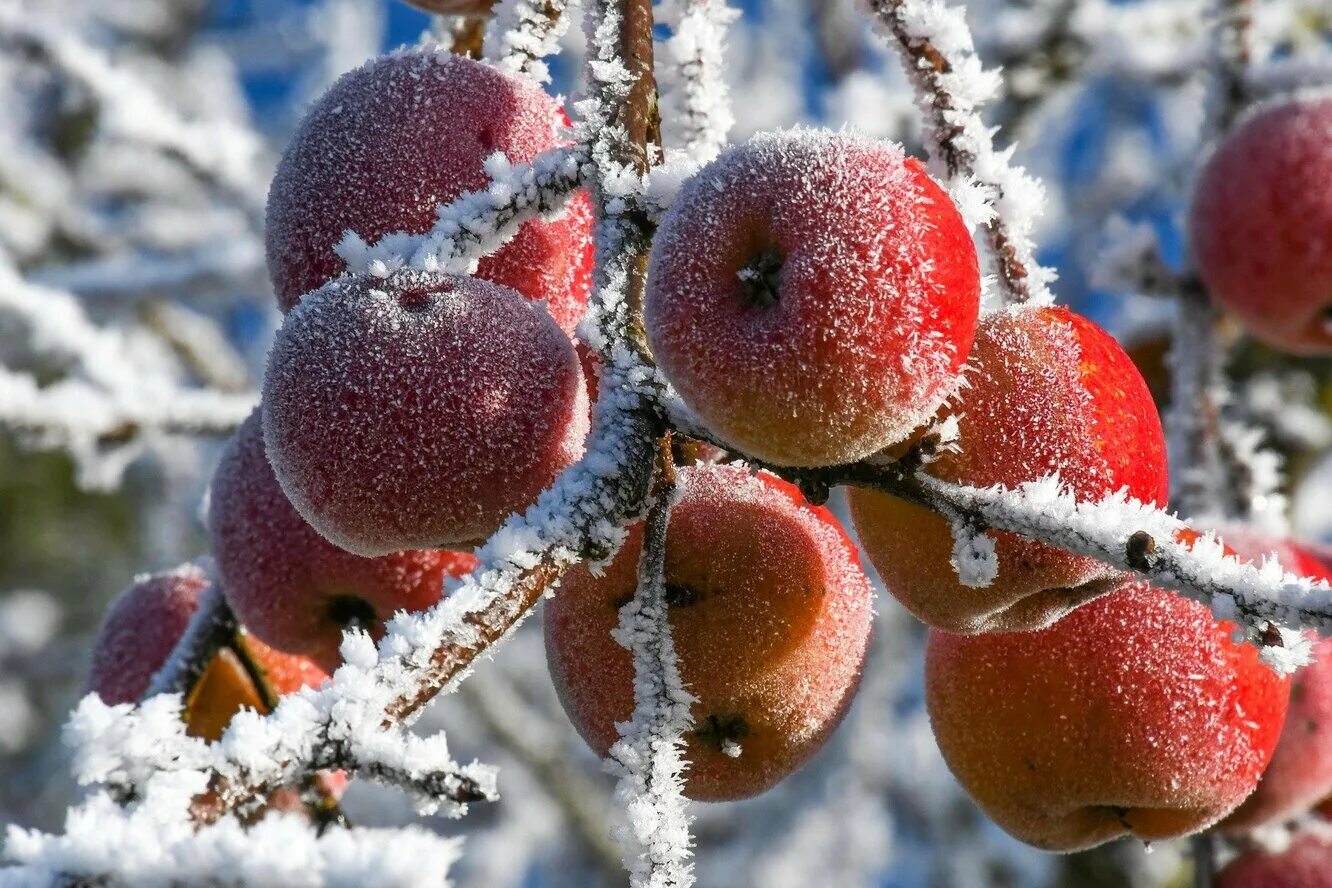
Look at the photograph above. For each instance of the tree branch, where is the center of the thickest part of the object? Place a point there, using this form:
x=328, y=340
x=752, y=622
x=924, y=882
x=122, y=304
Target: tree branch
x=648, y=758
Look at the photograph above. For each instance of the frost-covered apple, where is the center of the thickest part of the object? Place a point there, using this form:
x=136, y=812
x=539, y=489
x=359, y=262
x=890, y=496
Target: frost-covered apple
x=142, y=626
x=288, y=584
x=770, y=615
x=1261, y=223
x=1300, y=773
x=418, y=411
x=1307, y=863
x=454, y=7
x=1136, y=714
x=1048, y=391
x=812, y=296
x=394, y=139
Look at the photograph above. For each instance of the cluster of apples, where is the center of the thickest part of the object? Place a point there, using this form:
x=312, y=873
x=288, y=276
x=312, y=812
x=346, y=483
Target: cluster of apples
x=814, y=299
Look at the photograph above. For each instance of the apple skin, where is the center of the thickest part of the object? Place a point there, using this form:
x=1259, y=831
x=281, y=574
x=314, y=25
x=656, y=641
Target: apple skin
x=419, y=410
x=812, y=296
x=1047, y=391
x=770, y=616
x=1261, y=220
x=1136, y=714
x=140, y=629
x=1307, y=863
x=291, y=587
x=1300, y=773
x=393, y=140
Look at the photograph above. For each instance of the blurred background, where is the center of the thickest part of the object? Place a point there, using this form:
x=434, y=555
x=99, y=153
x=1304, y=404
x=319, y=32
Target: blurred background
x=137, y=139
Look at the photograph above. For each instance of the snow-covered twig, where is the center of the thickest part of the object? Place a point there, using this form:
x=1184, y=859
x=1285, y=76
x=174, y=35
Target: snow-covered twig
x=695, y=93
x=648, y=758
x=477, y=223
x=108, y=395
x=78, y=415
x=523, y=32
x=1197, y=363
x=1232, y=58
x=1286, y=406
x=1118, y=530
x=952, y=87
x=1136, y=537
x=1288, y=75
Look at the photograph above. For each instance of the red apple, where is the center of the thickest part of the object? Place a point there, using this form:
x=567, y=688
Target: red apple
x=1307, y=863
x=1300, y=773
x=1048, y=392
x=812, y=296
x=1261, y=222
x=420, y=410
x=401, y=135
x=1136, y=714
x=289, y=585
x=770, y=615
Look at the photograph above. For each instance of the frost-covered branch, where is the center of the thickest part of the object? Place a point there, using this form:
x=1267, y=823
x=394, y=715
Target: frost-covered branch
x=1117, y=530
x=648, y=758
x=1232, y=58
x=695, y=94
x=523, y=32
x=952, y=87
x=108, y=396
x=1136, y=537
x=479, y=222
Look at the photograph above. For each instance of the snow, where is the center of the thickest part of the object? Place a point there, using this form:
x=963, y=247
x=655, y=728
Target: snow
x=974, y=556
x=103, y=838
